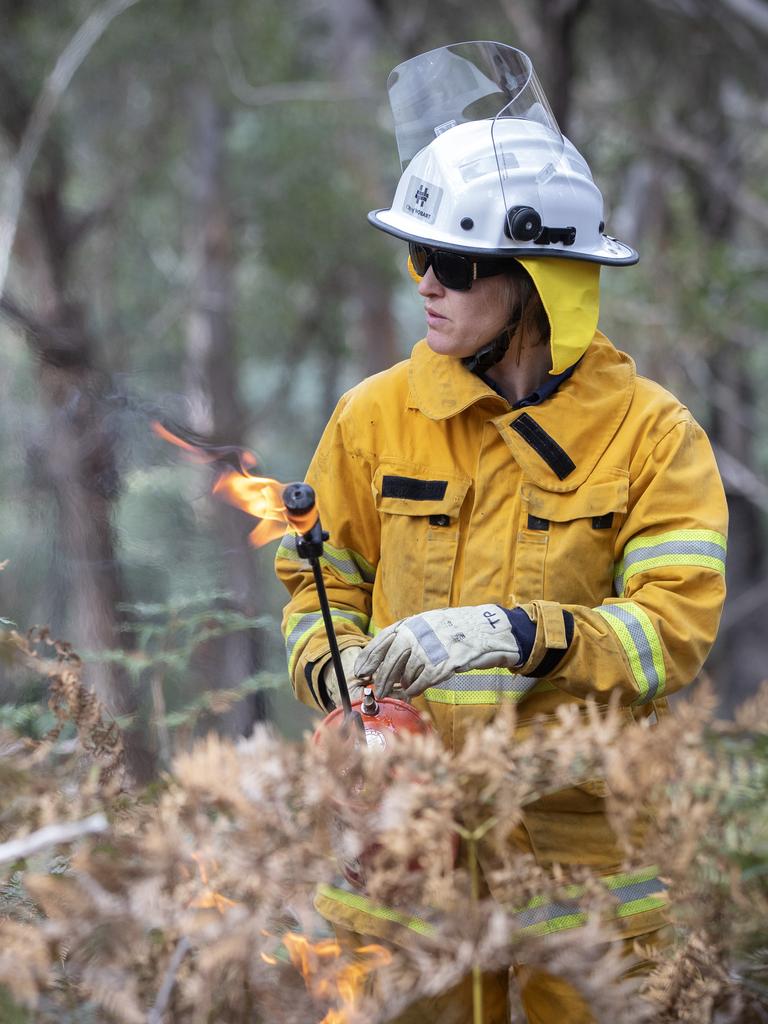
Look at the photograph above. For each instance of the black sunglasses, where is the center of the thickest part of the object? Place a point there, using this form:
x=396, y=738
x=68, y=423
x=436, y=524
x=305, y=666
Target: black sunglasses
x=452, y=269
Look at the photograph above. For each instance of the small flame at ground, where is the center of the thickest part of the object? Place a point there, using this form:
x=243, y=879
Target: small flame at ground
x=328, y=976
x=209, y=899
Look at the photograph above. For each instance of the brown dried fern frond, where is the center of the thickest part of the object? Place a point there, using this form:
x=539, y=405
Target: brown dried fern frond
x=72, y=701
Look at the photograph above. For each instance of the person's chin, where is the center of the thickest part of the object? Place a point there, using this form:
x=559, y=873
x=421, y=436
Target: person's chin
x=440, y=343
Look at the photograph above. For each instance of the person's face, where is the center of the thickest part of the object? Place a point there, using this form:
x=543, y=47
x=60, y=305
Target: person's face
x=458, y=322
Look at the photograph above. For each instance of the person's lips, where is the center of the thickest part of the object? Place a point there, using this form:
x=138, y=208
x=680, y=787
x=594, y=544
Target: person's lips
x=434, y=319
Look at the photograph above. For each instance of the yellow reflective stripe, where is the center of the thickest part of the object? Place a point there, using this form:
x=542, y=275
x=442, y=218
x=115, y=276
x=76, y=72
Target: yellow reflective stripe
x=467, y=688
x=562, y=923
x=673, y=536
x=343, y=562
x=366, y=906
x=641, y=645
x=703, y=548
x=646, y=564
x=641, y=906
x=635, y=892
x=622, y=878
x=303, y=625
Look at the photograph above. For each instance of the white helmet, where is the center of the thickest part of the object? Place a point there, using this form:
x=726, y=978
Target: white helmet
x=486, y=169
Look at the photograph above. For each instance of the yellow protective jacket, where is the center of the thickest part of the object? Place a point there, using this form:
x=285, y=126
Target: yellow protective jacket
x=603, y=502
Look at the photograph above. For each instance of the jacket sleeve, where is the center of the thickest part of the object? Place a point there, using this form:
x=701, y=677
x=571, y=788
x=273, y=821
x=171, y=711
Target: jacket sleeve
x=341, y=477
x=653, y=637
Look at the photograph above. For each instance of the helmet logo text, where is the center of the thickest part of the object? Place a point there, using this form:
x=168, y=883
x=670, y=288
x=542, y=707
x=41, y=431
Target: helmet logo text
x=422, y=199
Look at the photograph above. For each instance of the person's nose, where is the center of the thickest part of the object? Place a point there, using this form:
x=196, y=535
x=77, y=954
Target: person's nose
x=429, y=285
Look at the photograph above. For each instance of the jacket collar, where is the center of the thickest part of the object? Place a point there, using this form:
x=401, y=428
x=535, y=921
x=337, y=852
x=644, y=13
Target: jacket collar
x=441, y=386
x=579, y=420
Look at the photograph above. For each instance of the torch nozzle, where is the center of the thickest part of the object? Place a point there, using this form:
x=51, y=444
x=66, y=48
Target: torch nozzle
x=300, y=508
x=370, y=707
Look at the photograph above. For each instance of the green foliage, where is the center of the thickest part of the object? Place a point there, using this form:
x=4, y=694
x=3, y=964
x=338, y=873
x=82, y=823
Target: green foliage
x=26, y=719
x=166, y=636
x=10, y=1011
x=164, y=642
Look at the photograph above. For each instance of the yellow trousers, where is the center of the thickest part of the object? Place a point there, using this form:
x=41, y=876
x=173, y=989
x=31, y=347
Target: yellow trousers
x=540, y=997
x=522, y=995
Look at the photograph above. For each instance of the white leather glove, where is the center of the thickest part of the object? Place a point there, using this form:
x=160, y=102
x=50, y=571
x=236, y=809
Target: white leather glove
x=355, y=686
x=425, y=650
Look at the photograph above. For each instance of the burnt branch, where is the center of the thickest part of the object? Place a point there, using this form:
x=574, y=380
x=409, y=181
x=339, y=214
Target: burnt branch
x=58, y=345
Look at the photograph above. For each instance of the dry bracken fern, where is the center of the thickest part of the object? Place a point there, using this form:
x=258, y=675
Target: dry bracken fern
x=183, y=911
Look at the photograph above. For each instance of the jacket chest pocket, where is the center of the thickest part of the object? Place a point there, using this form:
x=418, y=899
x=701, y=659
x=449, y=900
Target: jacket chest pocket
x=419, y=511
x=565, y=545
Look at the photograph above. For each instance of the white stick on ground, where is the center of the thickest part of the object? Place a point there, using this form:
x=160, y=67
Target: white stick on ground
x=52, y=835
x=155, y=1015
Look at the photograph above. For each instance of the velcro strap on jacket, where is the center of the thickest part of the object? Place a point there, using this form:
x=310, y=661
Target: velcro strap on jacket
x=553, y=625
x=554, y=633
x=413, y=489
x=558, y=460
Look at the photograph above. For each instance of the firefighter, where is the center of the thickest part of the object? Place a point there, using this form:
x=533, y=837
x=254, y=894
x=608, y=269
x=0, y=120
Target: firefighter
x=514, y=513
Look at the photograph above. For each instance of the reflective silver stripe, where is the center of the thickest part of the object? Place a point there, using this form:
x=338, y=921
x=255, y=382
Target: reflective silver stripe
x=428, y=639
x=348, y=564
x=538, y=912
x=549, y=912
x=703, y=548
x=641, y=645
x=483, y=686
x=676, y=548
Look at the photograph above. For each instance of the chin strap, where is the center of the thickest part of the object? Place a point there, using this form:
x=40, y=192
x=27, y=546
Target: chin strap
x=489, y=354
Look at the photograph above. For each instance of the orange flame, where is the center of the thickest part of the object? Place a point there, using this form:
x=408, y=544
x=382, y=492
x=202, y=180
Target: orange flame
x=259, y=496
x=209, y=899
x=329, y=977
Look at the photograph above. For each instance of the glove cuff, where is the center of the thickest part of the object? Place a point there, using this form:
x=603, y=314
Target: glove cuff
x=554, y=633
x=316, y=673
x=524, y=631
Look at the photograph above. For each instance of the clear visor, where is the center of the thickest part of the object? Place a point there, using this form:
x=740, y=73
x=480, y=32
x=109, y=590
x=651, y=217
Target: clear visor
x=477, y=81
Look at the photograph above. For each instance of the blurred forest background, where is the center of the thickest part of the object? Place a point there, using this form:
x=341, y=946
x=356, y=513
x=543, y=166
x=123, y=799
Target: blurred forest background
x=191, y=179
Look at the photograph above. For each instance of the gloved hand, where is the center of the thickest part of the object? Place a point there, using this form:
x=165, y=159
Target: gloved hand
x=348, y=658
x=425, y=650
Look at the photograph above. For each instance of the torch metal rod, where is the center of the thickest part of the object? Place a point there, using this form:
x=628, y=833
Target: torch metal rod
x=346, y=703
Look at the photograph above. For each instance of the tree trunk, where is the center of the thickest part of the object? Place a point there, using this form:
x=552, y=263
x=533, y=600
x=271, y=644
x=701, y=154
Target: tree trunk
x=739, y=656
x=74, y=456
x=353, y=45
x=210, y=373
x=560, y=22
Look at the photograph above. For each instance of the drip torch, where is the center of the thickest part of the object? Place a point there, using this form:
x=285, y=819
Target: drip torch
x=378, y=719
x=301, y=512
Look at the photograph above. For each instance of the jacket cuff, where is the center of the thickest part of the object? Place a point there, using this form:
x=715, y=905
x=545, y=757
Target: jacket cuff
x=554, y=633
